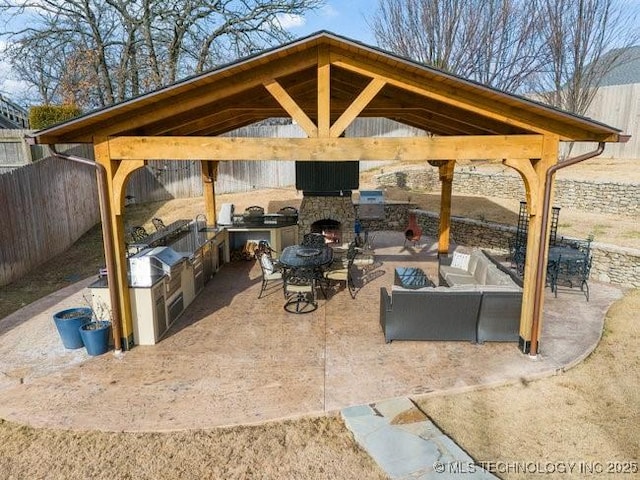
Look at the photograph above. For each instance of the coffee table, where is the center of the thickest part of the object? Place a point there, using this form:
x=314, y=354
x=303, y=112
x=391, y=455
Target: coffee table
x=412, y=277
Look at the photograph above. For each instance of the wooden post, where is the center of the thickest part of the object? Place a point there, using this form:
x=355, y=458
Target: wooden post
x=533, y=173
x=117, y=174
x=209, y=176
x=446, y=177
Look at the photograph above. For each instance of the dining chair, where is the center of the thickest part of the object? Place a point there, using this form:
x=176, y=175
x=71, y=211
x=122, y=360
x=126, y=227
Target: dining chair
x=270, y=272
x=158, y=224
x=300, y=290
x=343, y=273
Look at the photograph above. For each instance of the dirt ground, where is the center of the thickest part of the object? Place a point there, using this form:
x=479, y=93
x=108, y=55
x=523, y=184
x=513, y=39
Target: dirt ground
x=588, y=415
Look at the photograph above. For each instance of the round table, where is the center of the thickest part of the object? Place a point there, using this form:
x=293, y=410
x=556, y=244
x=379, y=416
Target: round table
x=302, y=266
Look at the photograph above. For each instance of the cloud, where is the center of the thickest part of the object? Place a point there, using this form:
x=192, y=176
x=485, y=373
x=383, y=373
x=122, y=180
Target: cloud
x=288, y=20
x=329, y=11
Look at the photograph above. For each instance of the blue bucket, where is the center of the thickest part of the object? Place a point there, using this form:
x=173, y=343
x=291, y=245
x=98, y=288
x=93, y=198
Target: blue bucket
x=68, y=323
x=95, y=336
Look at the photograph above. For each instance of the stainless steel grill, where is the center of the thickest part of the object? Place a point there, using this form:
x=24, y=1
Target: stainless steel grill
x=371, y=204
x=149, y=265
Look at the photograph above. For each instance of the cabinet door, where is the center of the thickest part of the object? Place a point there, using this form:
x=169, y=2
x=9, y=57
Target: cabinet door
x=160, y=314
x=289, y=236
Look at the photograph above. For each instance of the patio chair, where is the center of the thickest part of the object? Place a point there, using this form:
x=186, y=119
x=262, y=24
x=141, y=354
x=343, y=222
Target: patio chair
x=313, y=240
x=158, y=224
x=138, y=233
x=270, y=272
x=300, y=290
x=570, y=272
x=343, y=273
x=264, y=247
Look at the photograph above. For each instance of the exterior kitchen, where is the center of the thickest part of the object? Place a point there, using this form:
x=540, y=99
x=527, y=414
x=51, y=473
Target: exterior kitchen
x=170, y=267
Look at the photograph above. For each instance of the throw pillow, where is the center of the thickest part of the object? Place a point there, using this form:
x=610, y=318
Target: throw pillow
x=267, y=264
x=460, y=260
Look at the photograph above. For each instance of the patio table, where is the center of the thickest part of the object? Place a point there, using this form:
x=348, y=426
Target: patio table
x=412, y=277
x=298, y=256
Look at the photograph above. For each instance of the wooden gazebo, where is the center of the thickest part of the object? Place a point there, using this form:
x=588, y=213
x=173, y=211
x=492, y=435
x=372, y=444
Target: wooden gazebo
x=324, y=82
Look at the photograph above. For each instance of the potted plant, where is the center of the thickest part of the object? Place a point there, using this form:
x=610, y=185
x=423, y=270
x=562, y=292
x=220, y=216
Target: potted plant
x=68, y=323
x=95, y=336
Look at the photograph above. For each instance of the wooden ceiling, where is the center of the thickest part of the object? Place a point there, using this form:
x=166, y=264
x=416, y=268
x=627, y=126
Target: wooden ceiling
x=238, y=94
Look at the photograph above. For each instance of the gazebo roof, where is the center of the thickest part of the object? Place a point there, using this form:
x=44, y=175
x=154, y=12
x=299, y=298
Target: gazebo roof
x=255, y=88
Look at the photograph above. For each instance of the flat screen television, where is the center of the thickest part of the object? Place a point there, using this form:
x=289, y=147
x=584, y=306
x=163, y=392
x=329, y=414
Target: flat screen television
x=321, y=177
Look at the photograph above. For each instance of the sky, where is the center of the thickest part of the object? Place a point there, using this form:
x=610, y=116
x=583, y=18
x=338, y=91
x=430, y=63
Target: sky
x=343, y=17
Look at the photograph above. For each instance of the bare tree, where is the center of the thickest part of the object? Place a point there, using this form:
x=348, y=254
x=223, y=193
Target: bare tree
x=584, y=40
x=97, y=52
x=491, y=41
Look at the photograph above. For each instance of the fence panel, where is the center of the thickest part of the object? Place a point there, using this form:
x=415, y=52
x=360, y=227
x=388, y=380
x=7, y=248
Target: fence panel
x=44, y=208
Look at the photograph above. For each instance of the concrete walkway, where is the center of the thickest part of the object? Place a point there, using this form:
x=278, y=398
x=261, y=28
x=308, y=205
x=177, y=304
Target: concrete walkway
x=233, y=359
x=407, y=445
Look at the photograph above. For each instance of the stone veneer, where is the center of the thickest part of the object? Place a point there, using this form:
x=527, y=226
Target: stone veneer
x=610, y=263
x=589, y=196
x=340, y=209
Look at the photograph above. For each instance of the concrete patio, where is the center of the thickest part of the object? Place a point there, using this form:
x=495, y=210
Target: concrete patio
x=233, y=359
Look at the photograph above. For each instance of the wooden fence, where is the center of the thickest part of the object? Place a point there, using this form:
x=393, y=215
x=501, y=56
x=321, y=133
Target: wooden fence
x=618, y=106
x=44, y=208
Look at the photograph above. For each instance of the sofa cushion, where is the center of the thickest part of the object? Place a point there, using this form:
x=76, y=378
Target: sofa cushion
x=446, y=270
x=454, y=279
x=480, y=272
x=475, y=257
x=496, y=277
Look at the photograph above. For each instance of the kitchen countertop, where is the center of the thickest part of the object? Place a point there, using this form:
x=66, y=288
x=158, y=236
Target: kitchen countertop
x=188, y=243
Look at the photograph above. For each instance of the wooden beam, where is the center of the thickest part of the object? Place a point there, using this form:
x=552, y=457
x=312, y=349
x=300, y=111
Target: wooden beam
x=292, y=108
x=530, y=178
x=417, y=149
x=122, y=173
x=324, y=92
x=356, y=107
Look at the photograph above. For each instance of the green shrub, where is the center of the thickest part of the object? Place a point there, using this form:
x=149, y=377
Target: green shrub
x=43, y=116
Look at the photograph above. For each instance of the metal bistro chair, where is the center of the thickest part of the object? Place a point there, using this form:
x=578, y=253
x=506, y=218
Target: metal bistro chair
x=158, y=224
x=270, y=271
x=343, y=273
x=300, y=290
x=313, y=240
x=570, y=272
x=264, y=247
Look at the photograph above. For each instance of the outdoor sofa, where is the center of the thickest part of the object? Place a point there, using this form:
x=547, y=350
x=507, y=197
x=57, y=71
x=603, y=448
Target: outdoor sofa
x=477, y=301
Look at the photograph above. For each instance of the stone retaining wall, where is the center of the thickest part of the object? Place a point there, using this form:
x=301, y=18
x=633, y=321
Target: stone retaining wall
x=600, y=197
x=610, y=264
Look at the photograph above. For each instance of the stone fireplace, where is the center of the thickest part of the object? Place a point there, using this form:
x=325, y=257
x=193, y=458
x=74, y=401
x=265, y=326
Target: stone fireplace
x=335, y=215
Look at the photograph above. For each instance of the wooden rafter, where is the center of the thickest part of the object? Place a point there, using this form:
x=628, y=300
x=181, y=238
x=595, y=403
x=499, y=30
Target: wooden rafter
x=292, y=108
x=356, y=107
x=460, y=98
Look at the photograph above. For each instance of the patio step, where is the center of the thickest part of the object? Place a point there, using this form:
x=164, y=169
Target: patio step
x=407, y=445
